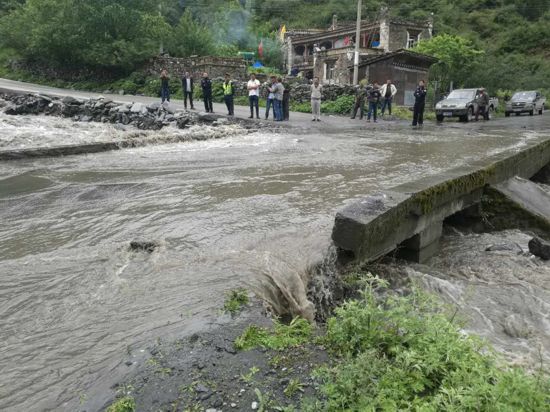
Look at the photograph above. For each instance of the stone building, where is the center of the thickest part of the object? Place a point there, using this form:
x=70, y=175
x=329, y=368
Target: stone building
x=214, y=66
x=384, y=53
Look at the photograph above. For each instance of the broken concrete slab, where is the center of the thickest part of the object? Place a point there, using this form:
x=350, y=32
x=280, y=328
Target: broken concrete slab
x=540, y=248
x=517, y=203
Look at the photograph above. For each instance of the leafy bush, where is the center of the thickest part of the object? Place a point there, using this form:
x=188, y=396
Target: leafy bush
x=342, y=105
x=235, y=300
x=283, y=336
x=126, y=404
x=403, y=353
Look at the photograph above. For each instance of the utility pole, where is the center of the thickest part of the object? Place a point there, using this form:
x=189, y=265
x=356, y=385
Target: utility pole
x=161, y=46
x=357, y=43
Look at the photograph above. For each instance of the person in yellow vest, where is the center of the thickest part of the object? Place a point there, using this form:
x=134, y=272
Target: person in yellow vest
x=228, y=92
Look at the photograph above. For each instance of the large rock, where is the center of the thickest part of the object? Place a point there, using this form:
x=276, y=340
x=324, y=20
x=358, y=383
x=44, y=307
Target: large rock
x=71, y=100
x=540, y=248
x=138, y=108
x=153, y=107
x=169, y=107
x=208, y=117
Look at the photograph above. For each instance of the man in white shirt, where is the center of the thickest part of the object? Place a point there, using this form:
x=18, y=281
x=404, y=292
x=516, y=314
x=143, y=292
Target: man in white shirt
x=253, y=87
x=316, y=95
x=387, y=91
x=187, y=85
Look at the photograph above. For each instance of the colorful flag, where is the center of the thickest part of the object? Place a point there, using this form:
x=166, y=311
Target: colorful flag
x=282, y=33
x=347, y=41
x=261, y=48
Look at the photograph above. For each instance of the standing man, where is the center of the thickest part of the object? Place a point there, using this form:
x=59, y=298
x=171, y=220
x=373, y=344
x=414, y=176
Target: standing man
x=286, y=101
x=164, y=86
x=270, y=102
x=187, y=86
x=482, y=100
x=359, y=101
x=279, y=96
x=388, y=91
x=419, y=103
x=316, y=95
x=253, y=87
x=228, y=92
x=206, y=85
x=373, y=98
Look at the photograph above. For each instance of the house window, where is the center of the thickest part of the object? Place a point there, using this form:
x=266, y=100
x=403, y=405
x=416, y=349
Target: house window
x=412, y=38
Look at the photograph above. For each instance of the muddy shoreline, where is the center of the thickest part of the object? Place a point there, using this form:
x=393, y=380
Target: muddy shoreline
x=205, y=372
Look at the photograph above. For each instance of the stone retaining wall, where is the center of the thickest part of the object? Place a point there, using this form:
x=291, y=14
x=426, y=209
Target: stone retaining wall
x=214, y=66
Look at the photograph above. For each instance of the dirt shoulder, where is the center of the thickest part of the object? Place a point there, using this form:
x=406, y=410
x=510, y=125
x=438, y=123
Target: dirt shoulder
x=205, y=372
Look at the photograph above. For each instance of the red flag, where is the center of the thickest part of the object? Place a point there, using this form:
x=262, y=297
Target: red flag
x=347, y=41
x=261, y=49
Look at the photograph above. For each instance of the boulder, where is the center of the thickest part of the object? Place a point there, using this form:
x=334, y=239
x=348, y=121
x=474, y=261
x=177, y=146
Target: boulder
x=169, y=107
x=71, y=100
x=143, y=246
x=183, y=122
x=138, y=108
x=540, y=248
x=153, y=107
x=208, y=117
x=124, y=108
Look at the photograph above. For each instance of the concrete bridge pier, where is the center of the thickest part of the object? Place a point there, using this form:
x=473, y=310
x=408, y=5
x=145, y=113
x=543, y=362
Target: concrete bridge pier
x=423, y=245
x=408, y=219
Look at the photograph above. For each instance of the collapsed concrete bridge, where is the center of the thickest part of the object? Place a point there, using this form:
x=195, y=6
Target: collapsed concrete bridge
x=409, y=218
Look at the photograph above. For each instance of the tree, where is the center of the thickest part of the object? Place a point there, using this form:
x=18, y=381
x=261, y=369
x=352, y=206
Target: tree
x=190, y=37
x=113, y=34
x=457, y=56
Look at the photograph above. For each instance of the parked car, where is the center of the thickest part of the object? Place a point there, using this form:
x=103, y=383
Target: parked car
x=525, y=102
x=461, y=103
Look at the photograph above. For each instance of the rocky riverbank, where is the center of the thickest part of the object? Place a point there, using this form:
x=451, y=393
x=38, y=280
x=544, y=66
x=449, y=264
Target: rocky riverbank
x=154, y=116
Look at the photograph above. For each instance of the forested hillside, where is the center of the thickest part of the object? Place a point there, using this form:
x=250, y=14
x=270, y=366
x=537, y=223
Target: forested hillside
x=507, y=42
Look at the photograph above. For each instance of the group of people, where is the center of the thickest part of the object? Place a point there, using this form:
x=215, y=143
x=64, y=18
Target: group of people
x=278, y=97
x=382, y=97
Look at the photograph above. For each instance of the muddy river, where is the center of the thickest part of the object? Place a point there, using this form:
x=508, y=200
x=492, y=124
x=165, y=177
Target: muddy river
x=251, y=210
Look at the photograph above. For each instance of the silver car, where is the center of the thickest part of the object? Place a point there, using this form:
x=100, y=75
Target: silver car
x=525, y=102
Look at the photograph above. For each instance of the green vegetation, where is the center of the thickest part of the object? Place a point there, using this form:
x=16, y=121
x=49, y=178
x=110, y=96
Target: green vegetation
x=126, y=404
x=406, y=353
x=293, y=387
x=235, y=300
x=501, y=44
x=392, y=352
x=297, y=332
x=249, y=377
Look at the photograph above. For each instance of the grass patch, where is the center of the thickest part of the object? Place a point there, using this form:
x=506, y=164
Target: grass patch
x=235, y=300
x=126, y=404
x=298, y=332
x=406, y=353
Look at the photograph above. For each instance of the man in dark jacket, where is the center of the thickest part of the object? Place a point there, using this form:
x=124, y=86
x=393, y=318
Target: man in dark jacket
x=359, y=102
x=187, y=86
x=164, y=86
x=419, y=103
x=228, y=92
x=373, y=97
x=206, y=85
x=286, y=101
x=482, y=100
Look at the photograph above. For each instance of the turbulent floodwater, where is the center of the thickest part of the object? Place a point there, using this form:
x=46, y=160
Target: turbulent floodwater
x=247, y=209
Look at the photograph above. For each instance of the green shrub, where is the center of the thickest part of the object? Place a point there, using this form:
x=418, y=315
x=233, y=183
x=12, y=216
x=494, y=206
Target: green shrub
x=403, y=353
x=126, y=404
x=298, y=332
x=342, y=105
x=235, y=300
